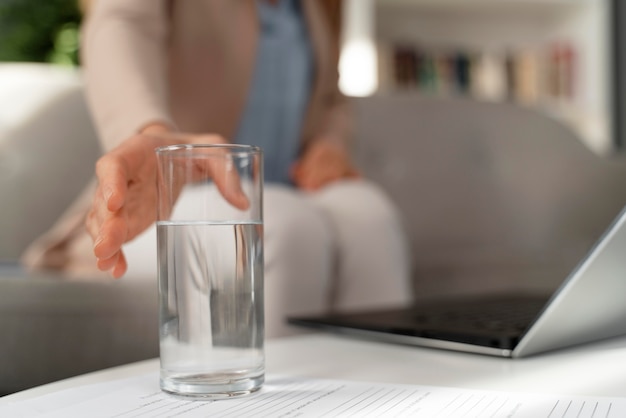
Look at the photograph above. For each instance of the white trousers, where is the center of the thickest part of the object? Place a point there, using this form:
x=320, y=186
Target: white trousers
x=341, y=248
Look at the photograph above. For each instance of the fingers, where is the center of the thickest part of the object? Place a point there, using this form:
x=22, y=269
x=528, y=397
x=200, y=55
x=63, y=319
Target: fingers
x=108, y=263
x=103, y=223
x=221, y=168
x=321, y=164
x=112, y=181
x=126, y=183
x=106, y=222
x=111, y=236
x=125, y=200
x=121, y=266
x=228, y=182
x=117, y=264
x=315, y=178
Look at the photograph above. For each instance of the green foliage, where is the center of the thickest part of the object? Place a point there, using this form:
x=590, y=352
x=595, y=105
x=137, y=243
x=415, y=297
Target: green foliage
x=39, y=31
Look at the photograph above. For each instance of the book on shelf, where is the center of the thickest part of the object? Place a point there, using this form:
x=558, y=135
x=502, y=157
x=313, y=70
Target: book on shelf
x=527, y=75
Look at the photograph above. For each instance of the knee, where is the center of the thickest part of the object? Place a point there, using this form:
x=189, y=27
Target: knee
x=294, y=230
x=296, y=236
x=362, y=200
x=365, y=218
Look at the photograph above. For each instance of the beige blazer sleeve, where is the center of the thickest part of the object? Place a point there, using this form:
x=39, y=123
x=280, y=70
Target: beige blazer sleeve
x=124, y=52
x=137, y=52
x=329, y=114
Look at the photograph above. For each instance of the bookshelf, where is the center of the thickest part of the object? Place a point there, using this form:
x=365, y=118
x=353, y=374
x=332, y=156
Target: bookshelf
x=551, y=55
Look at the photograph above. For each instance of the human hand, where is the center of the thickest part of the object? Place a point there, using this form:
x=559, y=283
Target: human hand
x=125, y=201
x=322, y=163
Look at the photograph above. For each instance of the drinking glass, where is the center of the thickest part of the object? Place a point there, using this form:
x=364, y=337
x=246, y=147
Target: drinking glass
x=210, y=269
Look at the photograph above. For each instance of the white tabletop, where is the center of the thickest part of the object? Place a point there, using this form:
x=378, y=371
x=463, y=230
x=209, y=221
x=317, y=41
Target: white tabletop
x=595, y=369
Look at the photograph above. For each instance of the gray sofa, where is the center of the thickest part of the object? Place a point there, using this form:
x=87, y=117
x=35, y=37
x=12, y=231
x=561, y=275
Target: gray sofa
x=52, y=327
x=492, y=196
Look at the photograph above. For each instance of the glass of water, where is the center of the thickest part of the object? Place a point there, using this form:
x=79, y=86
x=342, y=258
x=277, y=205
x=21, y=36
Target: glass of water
x=210, y=255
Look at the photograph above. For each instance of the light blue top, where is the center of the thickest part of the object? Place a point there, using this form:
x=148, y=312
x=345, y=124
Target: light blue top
x=281, y=85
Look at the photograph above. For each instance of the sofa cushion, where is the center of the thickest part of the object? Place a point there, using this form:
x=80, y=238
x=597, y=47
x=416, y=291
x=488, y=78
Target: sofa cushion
x=48, y=148
x=493, y=195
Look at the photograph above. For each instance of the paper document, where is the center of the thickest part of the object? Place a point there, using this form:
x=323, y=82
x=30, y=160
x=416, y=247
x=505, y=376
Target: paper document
x=303, y=397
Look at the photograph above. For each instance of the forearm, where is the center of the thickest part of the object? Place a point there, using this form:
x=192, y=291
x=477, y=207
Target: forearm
x=338, y=125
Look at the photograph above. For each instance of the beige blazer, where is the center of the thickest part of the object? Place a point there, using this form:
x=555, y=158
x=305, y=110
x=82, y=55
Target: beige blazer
x=187, y=63
x=190, y=63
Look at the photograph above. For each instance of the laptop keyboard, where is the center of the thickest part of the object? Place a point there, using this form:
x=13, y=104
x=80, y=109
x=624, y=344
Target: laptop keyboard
x=491, y=321
x=512, y=314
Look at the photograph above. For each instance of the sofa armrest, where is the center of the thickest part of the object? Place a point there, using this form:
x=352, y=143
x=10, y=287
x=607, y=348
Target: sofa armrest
x=53, y=328
x=48, y=148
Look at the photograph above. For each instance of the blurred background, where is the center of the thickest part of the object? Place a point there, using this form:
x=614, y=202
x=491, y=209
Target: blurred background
x=36, y=31
x=553, y=55
x=494, y=125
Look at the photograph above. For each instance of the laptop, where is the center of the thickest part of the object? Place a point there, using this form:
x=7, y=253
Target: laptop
x=589, y=305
